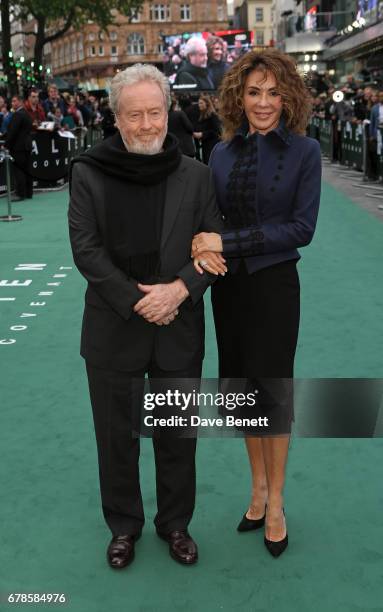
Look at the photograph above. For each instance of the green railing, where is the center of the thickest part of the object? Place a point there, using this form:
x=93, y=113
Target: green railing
x=353, y=139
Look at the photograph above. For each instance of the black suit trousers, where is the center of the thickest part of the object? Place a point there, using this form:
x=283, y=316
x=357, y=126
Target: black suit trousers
x=116, y=399
x=21, y=173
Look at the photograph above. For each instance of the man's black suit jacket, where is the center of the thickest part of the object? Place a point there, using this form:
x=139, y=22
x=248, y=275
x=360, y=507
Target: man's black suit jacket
x=18, y=137
x=113, y=335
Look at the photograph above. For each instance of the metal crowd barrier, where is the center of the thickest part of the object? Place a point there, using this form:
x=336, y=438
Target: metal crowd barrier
x=52, y=153
x=349, y=140
x=5, y=161
x=50, y=158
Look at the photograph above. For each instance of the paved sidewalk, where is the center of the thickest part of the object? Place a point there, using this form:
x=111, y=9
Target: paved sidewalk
x=350, y=182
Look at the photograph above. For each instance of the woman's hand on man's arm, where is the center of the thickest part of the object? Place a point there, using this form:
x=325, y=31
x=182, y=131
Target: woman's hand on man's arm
x=206, y=241
x=210, y=262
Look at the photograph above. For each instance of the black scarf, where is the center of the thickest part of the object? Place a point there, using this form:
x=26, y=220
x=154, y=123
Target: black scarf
x=112, y=158
x=134, y=198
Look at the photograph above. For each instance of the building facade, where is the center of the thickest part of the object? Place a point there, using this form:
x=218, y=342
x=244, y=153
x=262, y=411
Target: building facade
x=91, y=57
x=256, y=16
x=356, y=47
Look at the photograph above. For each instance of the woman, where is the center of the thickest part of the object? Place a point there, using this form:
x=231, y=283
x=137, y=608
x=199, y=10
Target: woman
x=208, y=127
x=267, y=175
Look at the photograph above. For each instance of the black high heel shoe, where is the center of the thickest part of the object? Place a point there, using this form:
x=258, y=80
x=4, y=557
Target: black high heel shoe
x=247, y=524
x=276, y=548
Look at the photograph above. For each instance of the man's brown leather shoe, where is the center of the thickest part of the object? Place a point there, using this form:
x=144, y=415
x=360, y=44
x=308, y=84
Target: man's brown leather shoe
x=121, y=550
x=182, y=547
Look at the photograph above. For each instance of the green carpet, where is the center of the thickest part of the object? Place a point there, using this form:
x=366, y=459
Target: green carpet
x=52, y=536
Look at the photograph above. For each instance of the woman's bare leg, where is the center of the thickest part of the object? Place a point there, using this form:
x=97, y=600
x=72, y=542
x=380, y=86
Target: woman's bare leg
x=275, y=450
x=259, y=480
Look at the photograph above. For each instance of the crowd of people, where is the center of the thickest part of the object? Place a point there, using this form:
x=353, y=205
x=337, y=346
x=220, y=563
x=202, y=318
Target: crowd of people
x=20, y=117
x=196, y=124
x=359, y=103
x=193, y=118
x=65, y=110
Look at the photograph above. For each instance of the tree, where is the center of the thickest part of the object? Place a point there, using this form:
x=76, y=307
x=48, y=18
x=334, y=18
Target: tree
x=9, y=67
x=61, y=15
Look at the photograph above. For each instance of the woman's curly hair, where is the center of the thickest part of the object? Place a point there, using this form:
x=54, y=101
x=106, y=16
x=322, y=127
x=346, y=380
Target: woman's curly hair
x=295, y=94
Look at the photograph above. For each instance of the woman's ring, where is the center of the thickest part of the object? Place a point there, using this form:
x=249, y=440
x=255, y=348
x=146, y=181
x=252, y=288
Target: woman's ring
x=203, y=263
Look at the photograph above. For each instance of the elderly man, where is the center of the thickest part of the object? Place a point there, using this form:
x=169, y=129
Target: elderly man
x=136, y=203
x=194, y=71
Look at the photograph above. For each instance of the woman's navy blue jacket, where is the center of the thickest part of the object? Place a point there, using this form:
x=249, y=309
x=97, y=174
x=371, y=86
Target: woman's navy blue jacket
x=286, y=197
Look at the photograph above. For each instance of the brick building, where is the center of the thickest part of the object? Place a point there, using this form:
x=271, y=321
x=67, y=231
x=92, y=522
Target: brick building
x=90, y=58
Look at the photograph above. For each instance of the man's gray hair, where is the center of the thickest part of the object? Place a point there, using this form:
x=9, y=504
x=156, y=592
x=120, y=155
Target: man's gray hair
x=193, y=45
x=136, y=74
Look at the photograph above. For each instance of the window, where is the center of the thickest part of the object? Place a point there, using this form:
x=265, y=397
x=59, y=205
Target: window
x=67, y=53
x=61, y=55
x=101, y=36
x=101, y=50
x=92, y=51
x=220, y=12
x=80, y=48
x=185, y=12
x=259, y=14
x=113, y=35
x=136, y=44
x=113, y=50
x=159, y=12
x=161, y=47
x=134, y=16
x=259, y=38
x=73, y=52
x=91, y=36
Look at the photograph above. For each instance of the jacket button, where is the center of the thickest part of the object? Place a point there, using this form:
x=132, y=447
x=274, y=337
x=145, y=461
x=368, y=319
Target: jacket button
x=280, y=167
x=276, y=177
x=272, y=188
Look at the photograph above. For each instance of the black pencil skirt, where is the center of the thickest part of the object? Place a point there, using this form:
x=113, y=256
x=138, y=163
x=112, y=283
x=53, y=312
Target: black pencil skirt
x=256, y=320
